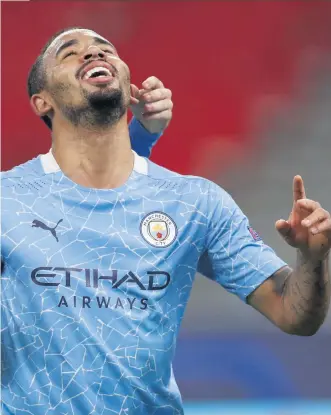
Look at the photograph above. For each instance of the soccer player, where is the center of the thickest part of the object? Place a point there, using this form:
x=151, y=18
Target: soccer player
x=101, y=246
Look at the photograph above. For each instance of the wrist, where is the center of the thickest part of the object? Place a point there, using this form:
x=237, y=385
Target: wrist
x=312, y=258
x=139, y=127
x=149, y=128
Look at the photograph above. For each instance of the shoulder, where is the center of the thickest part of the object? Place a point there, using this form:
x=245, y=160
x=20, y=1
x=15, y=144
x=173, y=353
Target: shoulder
x=171, y=179
x=209, y=196
x=21, y=176
x=202, y=185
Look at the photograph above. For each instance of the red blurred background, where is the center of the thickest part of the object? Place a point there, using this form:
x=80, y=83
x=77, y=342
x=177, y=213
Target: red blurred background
x=224, y=61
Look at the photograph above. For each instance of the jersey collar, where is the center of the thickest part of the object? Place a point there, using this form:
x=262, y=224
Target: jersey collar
x=50, y=165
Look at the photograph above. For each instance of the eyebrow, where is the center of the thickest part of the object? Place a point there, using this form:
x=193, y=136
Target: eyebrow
x=72, y=42
x=100, y=41
x=66, y=45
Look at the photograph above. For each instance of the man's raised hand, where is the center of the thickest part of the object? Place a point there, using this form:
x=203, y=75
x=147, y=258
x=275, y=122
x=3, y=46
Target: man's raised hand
x=308, y=227
x=152, y=104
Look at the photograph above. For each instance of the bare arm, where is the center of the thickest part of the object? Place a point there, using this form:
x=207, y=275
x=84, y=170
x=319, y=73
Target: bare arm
x=297, y=301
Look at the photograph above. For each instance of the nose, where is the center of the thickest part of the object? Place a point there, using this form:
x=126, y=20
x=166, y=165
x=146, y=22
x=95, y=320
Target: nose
x=94, y=52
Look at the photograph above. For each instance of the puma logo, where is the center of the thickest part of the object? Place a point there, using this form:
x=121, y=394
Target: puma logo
x=38, y=224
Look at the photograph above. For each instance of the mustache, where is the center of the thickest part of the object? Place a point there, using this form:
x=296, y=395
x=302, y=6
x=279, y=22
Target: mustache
x=80, y=70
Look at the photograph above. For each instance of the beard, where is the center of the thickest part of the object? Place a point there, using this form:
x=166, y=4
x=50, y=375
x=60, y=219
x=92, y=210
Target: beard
x=102, y=108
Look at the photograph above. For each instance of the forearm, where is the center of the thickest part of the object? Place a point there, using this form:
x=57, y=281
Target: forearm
x=305, y=295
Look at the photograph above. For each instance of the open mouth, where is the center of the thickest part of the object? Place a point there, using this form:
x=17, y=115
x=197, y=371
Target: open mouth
x=97, y=72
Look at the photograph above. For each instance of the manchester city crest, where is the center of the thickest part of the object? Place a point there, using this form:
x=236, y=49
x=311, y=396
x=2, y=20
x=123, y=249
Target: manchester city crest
x=158, y=229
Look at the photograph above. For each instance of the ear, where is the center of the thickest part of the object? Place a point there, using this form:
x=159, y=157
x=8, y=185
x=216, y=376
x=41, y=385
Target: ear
x=40, y=104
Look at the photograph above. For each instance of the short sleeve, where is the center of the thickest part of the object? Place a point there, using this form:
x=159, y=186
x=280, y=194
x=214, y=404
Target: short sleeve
x=235, y=255
x=142, y=141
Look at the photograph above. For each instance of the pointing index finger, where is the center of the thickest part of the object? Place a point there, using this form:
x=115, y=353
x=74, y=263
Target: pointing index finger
x=298, y=189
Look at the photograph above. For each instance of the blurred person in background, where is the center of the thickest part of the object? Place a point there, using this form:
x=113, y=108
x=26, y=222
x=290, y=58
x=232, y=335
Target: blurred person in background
x=100, y=247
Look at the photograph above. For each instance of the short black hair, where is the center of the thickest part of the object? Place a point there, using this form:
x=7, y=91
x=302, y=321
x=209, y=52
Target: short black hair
x=37, y=75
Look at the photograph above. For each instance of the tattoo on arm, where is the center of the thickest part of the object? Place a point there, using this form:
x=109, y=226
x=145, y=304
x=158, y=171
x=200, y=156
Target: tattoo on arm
x=305, y=294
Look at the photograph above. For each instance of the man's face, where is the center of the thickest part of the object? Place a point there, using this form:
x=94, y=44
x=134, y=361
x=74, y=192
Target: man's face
x=86, y=78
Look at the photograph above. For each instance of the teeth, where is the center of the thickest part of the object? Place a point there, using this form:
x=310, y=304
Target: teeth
x=105, y=72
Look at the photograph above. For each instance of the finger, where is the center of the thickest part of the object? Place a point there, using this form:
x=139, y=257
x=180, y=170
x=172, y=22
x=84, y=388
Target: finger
x=134, y=91
x=134, y=99
x=152, y=83
x=324, y=226
x=317, y=216
x=156, y=95
x=158, y=115
x=298, y=189
x=159, y=106
x=308, y=204
x=285, y=229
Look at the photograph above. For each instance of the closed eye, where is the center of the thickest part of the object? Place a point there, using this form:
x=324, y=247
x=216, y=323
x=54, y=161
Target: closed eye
x=108, y=51
x=69, y=54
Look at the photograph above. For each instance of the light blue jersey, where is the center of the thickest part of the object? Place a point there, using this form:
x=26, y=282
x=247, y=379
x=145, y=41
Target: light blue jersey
x=96, y=282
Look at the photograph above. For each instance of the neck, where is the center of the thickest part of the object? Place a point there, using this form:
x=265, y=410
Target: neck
x=94, y=158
